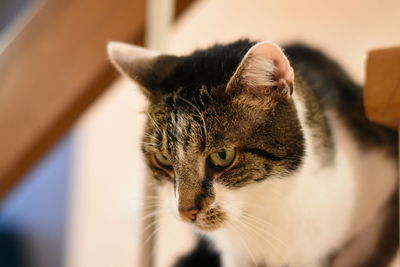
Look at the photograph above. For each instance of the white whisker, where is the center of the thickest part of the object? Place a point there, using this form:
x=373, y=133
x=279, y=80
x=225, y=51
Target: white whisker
x=245, y=244
x=152, y=214
x=152, y=120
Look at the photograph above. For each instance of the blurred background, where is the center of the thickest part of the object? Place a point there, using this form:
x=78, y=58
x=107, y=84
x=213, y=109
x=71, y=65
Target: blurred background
x=71, y=173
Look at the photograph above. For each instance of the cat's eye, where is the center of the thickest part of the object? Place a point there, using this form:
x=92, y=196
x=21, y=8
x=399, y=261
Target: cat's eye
x=163, y=160
x=222, y=158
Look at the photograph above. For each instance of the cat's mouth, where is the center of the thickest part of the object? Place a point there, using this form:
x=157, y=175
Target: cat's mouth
x=210, y=220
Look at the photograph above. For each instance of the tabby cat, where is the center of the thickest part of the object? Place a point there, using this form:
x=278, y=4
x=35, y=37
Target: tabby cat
x=268, y=152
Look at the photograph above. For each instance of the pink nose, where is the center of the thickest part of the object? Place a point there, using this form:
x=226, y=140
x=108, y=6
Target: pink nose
x=189, y=214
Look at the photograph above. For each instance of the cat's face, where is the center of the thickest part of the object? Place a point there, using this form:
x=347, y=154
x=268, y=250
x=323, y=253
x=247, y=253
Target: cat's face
x=209, y=142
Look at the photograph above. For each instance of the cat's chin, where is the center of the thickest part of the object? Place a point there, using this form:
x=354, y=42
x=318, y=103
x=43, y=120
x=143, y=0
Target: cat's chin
x=207, y=228
x=210, y=220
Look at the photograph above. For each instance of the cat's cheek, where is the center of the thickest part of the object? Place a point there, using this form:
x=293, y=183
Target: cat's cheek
x=211, y=219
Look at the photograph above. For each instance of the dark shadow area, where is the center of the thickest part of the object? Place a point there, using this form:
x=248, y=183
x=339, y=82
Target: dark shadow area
x=33, y=217
x=10, y=10
x=11, y=250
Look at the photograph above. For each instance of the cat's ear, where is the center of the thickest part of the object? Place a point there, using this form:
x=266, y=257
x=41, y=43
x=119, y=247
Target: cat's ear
x=264, y=76
x=147, y=67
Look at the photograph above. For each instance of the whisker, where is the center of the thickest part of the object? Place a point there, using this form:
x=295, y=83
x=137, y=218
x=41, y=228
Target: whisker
x=259, y=230
x=152, y=234
x=150, y=197
x=256, y=234
x=261, y=224
x=154, y=122
x=150, y=206
x=151, y=136
x=152, y=214
x=245, y=244
x=257, y=225
x=151, y=224
x=151, y=144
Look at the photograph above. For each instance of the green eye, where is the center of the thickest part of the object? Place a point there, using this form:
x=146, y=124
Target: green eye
x=161, y=159
x=222, y=158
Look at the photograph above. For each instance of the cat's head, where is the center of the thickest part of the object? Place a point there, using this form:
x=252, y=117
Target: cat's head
x=219, y=120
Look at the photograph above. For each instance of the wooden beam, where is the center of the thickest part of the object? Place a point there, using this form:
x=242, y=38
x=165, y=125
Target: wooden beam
x=53, y=70
x=382, y=87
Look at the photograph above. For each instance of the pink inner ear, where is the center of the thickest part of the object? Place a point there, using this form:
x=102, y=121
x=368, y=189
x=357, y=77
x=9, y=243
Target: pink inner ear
x=270, y=51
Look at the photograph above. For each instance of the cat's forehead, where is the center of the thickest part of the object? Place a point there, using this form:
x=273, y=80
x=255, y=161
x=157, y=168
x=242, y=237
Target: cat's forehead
x=206, y=121
x=182, y=111
x=187, y=101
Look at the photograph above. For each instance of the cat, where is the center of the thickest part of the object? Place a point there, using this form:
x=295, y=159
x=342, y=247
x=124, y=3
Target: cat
x=267, y=151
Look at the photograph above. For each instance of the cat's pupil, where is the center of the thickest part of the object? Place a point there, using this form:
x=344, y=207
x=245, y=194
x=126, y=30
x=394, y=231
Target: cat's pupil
x=222, y=155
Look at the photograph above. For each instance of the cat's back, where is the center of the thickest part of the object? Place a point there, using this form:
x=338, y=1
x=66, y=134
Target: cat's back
x=336, y=92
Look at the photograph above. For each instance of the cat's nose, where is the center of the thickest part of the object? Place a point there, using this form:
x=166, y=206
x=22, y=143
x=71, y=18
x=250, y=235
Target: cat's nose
x=189, y=214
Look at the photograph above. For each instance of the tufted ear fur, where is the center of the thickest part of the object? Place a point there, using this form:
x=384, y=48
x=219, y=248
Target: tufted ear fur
x=263, y=77
x=145, y=66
